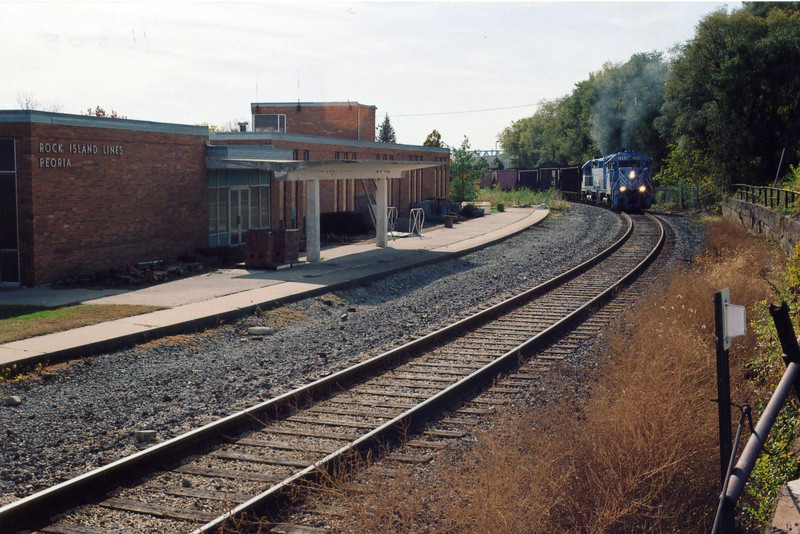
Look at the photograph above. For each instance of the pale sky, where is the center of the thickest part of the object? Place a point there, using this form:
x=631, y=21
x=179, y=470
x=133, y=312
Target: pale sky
x=428, y=65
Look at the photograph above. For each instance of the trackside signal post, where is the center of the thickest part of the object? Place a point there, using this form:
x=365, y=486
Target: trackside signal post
x=729, y=322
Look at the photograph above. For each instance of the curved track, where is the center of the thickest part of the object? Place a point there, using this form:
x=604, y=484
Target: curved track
x=250, y=462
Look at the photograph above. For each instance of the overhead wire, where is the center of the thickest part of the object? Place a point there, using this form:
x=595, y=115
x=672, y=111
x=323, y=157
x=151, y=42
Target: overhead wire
x=463, y=111
x=632, y=88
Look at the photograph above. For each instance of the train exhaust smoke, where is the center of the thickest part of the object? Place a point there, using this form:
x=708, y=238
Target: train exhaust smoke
x=629, y=98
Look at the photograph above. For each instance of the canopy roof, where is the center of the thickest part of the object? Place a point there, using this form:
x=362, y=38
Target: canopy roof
x=298, y=171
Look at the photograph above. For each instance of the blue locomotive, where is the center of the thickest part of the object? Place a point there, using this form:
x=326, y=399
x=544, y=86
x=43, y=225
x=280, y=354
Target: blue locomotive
x=621, y=180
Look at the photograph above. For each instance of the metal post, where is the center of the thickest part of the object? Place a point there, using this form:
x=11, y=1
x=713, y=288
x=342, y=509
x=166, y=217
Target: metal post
x=778, y=172
x=789, y=343
x=723, y=389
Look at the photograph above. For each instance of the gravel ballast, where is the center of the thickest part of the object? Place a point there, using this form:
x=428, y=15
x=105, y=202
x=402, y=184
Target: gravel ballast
x=95, y=410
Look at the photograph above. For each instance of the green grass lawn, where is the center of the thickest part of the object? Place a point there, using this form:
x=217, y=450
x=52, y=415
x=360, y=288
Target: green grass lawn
x=22, y=322
x=522, y=197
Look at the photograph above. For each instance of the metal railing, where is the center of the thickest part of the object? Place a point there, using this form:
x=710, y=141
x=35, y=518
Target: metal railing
x=736, y=476
x=679, y=197
x=682, y=197
x=416, y=221
x=771, y=197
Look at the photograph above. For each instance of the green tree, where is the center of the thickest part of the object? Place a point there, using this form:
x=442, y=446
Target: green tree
x=613, y=109
x=531, y=141
x=466, y=170
x=762, y=9
x=434, y=139
x=557, y=134
x=573, y=125
x=629, y=98
x=733, y=93
x=385, y=133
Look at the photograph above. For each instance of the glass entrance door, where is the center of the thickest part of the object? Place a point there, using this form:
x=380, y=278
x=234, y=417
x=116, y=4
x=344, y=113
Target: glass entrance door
x=239, y=214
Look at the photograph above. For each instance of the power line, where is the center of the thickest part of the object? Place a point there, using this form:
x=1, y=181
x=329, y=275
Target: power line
x=638, y=87
x=463, y=112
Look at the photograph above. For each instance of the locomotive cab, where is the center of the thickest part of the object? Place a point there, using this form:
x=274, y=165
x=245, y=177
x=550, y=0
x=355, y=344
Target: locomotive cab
x=594, y=185
x=621, y=180
x=631, y=187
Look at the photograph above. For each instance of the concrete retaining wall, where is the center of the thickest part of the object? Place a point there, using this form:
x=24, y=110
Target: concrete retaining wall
x=763, y=220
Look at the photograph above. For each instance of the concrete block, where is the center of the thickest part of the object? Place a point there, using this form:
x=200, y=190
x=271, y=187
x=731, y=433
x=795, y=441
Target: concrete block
x=13, y=400
x=787, y=511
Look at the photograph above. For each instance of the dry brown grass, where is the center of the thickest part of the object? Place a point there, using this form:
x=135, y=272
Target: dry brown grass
x=280, y=317
x=639, y=455
x=185, y=341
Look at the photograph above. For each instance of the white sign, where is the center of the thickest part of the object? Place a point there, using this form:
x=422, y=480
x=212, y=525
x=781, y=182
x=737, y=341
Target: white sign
x=734, y=323
x=49, y=162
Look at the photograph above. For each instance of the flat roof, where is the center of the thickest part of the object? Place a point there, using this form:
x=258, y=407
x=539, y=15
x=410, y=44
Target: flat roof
x=298, y=170
x=342, y=141
x=89, y=121
x=310, y=104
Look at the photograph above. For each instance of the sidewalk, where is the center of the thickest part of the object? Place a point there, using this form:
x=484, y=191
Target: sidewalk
x=226, y=294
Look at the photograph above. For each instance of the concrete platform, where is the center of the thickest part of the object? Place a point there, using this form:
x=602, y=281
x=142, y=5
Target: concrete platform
x=226, y=294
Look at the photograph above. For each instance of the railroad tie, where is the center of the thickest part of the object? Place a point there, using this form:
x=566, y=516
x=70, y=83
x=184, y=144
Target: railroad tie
x=158, y=510
x=286, y=528
x=70, y=528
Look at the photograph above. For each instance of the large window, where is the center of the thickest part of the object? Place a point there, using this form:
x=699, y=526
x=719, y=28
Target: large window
x=238, y=200
x=9, y=247
x=269, y=123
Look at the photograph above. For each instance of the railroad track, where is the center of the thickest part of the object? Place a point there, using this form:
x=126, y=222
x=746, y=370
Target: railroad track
x=252, y=462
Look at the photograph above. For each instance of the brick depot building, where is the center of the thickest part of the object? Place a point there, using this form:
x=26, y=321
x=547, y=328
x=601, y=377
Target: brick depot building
x=81, y=194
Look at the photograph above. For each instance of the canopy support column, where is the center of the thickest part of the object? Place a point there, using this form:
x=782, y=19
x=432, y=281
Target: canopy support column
x=312, y=221
x=381, y=205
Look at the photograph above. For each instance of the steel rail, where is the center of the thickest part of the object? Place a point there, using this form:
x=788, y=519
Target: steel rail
x=34, y=510
x=411, y=419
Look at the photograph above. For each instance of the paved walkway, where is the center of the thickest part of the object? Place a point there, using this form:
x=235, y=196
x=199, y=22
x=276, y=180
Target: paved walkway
x=226, y=294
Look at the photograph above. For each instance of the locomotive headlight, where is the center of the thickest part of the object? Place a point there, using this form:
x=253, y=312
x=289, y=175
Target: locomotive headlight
x=642, y=188
x=632, y=175
x=622, y=189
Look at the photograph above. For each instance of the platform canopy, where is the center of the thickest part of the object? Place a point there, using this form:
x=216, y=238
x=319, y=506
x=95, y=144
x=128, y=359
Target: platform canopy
x=315, y=171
